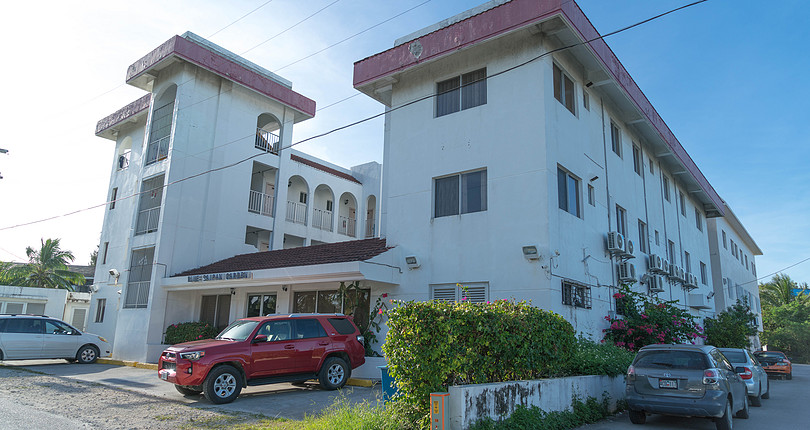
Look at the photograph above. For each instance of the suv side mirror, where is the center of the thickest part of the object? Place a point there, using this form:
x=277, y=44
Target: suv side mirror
x=259, y=338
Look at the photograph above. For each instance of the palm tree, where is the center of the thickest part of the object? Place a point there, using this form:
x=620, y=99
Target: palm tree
x=47, y=268
x=779, y=291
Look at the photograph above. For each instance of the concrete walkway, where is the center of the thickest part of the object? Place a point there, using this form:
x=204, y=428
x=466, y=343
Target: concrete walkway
x=276, y=400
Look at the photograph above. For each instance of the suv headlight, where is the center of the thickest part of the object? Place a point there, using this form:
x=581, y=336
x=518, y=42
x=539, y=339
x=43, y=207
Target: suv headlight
x=193, y=356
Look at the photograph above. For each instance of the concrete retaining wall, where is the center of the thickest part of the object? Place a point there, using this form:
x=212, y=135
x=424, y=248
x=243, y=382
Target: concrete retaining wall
x=469, y=403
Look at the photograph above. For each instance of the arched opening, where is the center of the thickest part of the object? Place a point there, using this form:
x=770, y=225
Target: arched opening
x=347, y=215
x=297, y=198
x=371, y=213
x=323, y=203
x=268, y=133
x=161, y=128
x=124, y=150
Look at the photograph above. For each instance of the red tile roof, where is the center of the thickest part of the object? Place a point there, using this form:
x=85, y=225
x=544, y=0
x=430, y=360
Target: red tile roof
x=323, y=168
x=340, y=252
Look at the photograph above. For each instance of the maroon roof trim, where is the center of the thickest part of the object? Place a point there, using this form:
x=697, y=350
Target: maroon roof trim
x=339, y=252
x=224, y=67
x=508, y=17
x=124, y=113
x=323, y=168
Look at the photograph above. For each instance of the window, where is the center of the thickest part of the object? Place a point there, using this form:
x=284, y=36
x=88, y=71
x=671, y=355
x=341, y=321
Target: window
x=698, y=219
x=746, y=262
x=462, y=92
x=703, y=275
x=733, y=248
x=261, y=305
x=591, y=196
x=657, y=242
x=477, y=292
x=753, y=269
x=355, y=302
x=140, y=275
x=586, y=100
x=687, y=261
x=329, y=205
x=216, y=310
x=637, y=163
x=682, y=201
x=460, y=194
x=643, y=238
x=615, y=139
x=113, y=197
x=302, y=197
x=104, y=254
x=671, y=252
x=101, y=304
x=576, y=295
x=563, y=88
x=308, y=329
x=568, y=192
x=149, y=205
x=161, y=128
x=621, y=220
x=725, y=245
x=652, y=169
x=666, y=188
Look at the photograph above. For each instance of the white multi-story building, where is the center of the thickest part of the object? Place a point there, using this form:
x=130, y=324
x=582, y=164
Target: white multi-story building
x=203, y=171
x=515, y=152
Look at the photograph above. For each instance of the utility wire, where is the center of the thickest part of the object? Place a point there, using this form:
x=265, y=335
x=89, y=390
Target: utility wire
x=419, y=99
x=290, y=27
x=239, y=19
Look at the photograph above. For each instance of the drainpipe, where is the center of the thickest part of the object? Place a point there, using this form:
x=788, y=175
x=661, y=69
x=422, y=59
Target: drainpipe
x=607, y=205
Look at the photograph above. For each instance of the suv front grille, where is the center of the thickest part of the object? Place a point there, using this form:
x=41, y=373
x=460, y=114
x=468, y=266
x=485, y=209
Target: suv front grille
x=169, y=365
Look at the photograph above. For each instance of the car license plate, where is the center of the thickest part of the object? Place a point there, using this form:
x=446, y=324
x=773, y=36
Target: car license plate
x=164, y=375
x=667, y=383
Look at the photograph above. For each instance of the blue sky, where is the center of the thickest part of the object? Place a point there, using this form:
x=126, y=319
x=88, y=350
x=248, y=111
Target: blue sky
x=725, y=76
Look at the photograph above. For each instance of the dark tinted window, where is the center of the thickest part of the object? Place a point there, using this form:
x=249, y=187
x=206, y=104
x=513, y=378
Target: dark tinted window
x=308, y=328
x=276, y=330
x=771, y=355
x=672, y=360
x=24, y=325
x=3, y=325
x=735, y=356
x=342, y=325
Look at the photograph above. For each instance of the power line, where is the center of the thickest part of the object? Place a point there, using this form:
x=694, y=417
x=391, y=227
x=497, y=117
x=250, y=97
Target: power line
x=239, y=19
x=290, y=27
x=419, y=99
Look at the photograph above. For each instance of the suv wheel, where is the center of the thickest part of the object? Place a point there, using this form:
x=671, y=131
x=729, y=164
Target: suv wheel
x=87, y=354
x=724, y=422
x=334, y=373
x=757, y=400
x=188, y=391
x=790, y=375
x=222, y=385
x=637, y=417
x=767, y=393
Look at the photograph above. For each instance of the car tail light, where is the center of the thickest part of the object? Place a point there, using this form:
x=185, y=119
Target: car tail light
x=710, y=376
x=631, y=373
x=748, y=374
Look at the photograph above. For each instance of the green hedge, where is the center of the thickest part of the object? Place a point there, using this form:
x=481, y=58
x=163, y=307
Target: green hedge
x=431, y=345
x=188, y=331
x=599, y=359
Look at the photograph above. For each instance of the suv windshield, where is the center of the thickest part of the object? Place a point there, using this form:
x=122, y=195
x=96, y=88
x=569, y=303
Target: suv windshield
x=735, y=356
x=238, y=330
x=667, y=359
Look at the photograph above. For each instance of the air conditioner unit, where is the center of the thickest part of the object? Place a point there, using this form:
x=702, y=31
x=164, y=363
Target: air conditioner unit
x=699, y=301
x=615, y=242
x=665, y=268
x=656, y=284
x=627, y=272
x=655, y=264
x=681, y=274
x=628, y=248
x=689, y=281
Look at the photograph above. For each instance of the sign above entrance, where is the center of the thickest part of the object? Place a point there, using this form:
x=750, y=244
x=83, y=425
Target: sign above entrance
x=220, y=276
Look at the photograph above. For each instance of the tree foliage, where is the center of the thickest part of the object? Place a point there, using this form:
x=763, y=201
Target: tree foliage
x=732, y=327
x=46, y=268
x=787, y=329
x=779, y=291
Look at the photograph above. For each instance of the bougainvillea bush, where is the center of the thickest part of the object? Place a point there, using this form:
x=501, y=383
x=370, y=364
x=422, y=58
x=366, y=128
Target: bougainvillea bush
x=188, y=331
x=647, y=321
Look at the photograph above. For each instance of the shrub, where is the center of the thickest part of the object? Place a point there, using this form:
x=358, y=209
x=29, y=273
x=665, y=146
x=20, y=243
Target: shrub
x=648, y=321
x=592, y=358
x=732, y=327
x=188, y=331
x=589, y=411
x=431, y=345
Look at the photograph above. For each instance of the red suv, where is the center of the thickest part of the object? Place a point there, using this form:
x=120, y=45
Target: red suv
x=266, y=350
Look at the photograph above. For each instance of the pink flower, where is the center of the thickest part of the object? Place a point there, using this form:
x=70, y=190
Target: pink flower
x=384, y=295
x=631, y=345
x=464, y=299
x=618, y=296
x=644, y=316
x=380, y=312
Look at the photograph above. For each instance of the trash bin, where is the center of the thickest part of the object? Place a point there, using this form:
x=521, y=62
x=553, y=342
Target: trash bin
x=389, y=386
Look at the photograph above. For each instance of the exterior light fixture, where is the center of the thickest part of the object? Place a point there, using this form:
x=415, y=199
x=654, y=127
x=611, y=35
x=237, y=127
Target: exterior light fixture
x=530, y=252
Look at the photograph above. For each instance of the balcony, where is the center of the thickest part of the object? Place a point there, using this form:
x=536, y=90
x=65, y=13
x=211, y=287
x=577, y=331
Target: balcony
x=322, y=219
x=297, y=212
x=157, y=150
x=370, y=227
x=267, y=141
x=347, y=226
x=260, y=203
x=147, y=220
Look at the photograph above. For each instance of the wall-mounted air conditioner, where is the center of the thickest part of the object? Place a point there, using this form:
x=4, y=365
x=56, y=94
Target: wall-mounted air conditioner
x=628, y=248
x=655, y=264
x=665, y=266
x=615, y=243
x=627, y=272
x=699, y=301
x=689, y=281
x=656, y=284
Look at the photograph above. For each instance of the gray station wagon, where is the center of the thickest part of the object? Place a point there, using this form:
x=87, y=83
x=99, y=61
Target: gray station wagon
x=685, y=380
x=30, y=337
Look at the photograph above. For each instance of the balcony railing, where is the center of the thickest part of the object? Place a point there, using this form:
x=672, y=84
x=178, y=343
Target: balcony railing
x=147, y=220
x=347, y=226
x=322, y=219
x=297, y=212
x=137, y=295
x=123, y=160
x=370, y=227
x=260, y=203
x=157, y=150
x=267, y=141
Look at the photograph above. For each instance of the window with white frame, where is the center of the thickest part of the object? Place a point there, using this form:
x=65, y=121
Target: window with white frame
x=564, y=89
x=460, y=193
x=576, y=295
x=725, y=244
x=149, y=205
x=104, y=253
x=652, y=169
x=461, y=92
x=698, y=219
x=475, y=292
x=615, y=138
x=687, y=261
x=637, y=163
x=704, y=277
x=666, y=187
x=591, y=195
x=140, y=277
x=101, y=305
x=113, y=197
x=568, y=192
x=657, y=241
x=261, y=304
x=643, y=238
x=586, y=100
x=682, y=201
x=621, y=220
x=671, y=252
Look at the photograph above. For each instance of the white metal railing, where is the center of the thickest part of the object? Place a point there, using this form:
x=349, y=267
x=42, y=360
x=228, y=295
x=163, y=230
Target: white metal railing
x=370, y=227
x=260, y=203
x=322, y=219
x=297, y=212
x=267, y=141
x=123, y=160
x=147, y=220
x=157, y=150
x=137, y=295
x=346, y=226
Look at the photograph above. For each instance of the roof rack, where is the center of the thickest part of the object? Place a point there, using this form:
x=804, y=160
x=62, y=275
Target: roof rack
x=314, y=314
x=25, y=315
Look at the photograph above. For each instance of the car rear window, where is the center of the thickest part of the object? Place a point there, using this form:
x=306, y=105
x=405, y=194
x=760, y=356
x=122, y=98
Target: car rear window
x=342, y=325
x=735, y=356
x=664, y=359
x=308, y=328
x=769, y=355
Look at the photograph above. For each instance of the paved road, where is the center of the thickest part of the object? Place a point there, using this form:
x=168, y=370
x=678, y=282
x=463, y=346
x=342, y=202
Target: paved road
x=788, y=408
